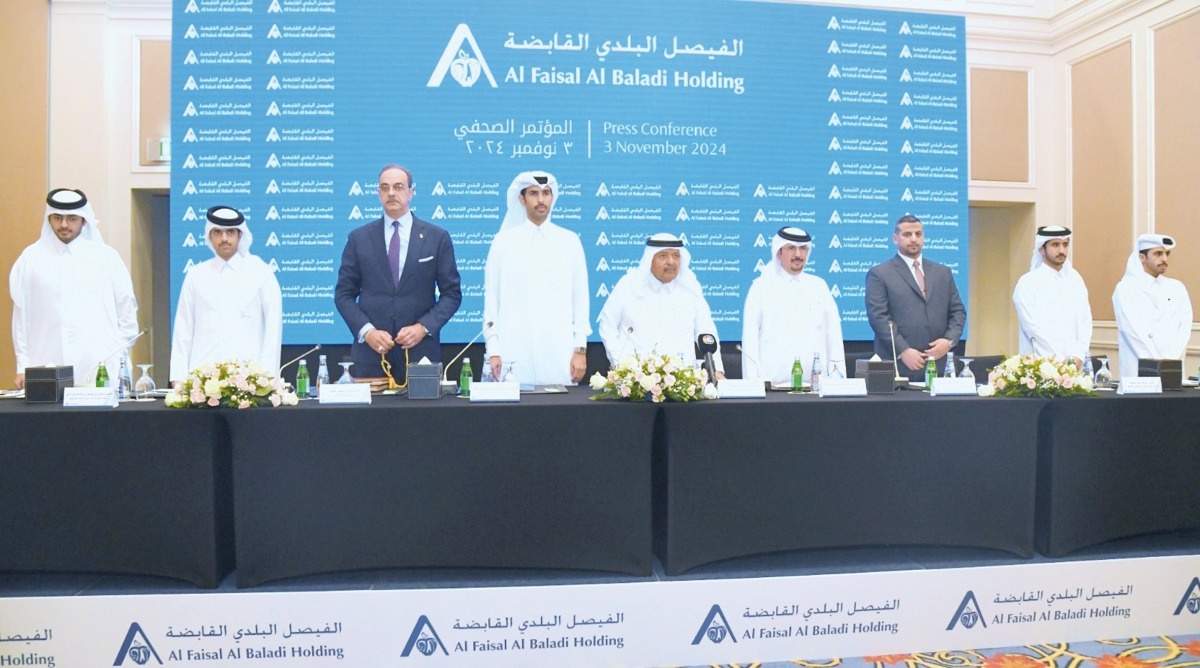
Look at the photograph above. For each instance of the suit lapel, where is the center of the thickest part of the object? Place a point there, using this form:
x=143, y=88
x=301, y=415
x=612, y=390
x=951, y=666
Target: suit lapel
x=903, y=267
x=416, y=248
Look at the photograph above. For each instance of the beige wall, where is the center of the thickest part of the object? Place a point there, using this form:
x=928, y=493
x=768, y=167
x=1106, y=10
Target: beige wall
x=1102, y=170
x=1177, y=137
x=24, y=43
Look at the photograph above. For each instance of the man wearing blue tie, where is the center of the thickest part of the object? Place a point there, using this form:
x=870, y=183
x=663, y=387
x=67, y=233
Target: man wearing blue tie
x=398, y=283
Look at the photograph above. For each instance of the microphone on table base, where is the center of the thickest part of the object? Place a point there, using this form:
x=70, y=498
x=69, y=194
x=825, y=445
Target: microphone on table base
x=898, y=380
x=446, y=368
x=707, y=345
x=124, y=346
x=628, y=335
x=757, y=366
x=299, y=357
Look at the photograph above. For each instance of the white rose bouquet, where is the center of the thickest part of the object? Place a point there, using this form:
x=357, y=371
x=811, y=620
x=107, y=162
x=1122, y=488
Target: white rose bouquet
x=652, y=378
x=1033, y=376
x=237, y=384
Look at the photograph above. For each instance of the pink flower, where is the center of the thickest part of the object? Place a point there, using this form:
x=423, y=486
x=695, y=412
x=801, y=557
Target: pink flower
x=1068, y=382
x=212, y=401
x=243, y=404
x=656, y=390
x=1030, y=383
x=197, y=395
x=275, y=400
x=625, y=391
x=1001, y=384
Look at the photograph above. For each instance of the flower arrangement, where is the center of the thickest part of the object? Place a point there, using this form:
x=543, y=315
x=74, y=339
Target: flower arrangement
x=1034, y=376
x=654, y=378
x=237, y=384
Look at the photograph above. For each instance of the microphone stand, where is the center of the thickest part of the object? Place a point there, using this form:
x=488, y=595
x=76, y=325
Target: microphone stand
x=299, y=357
x=124, y=346
x=446, y=368
x=898, y=380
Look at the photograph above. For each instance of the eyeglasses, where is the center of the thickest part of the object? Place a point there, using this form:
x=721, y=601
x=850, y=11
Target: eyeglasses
x=393, y=187
x=58, y=218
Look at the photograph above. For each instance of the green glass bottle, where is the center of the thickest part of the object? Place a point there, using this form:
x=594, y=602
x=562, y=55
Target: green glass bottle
x=302, y=379
x=797, y=375
x=930, y=372
x=102, y=376
x=464, y=378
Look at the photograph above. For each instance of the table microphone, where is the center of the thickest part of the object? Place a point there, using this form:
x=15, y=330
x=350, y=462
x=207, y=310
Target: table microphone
x=124, y=346
x=628, y=335
x=707, y=344
x=446, y=368
x=751, y=358
x=895, y=360
x=299, y=357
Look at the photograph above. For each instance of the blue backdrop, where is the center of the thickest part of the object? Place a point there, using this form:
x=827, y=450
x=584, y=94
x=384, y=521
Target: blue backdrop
x=718, y=121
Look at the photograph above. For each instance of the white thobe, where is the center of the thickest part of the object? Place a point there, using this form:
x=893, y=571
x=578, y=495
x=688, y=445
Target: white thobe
x=1154, y=320
x=644, y=316
x=1054, y=314
x=787, y=317
x=227, y=311
x=72, y=304
x=535, y=294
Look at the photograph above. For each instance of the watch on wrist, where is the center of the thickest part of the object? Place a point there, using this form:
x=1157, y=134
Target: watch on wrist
x=582, y=350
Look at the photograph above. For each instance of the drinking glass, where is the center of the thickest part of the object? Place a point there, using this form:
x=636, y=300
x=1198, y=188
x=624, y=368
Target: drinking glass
x=144, y=388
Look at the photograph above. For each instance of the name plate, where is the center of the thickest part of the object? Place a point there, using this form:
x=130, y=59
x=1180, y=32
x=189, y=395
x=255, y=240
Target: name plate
x=742, y=388
x=355, y=394
x=953, y=387
x=1140, y=385
x=90, y=397
x=843, y=387
x=493, y=392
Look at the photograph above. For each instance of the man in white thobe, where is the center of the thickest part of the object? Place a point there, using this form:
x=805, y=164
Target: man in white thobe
x=789, y=314
x=230, y=306
x=535, y=290
x=658, y=307
x=72, y=296
x=1154, y=313
x=1052, y=301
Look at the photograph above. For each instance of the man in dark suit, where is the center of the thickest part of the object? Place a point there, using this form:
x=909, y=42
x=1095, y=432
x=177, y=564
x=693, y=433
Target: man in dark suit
x=920, y=297
x=386, y=284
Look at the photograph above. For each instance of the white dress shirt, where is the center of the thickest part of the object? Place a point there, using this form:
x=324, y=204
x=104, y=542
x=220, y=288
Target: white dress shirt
x=1054, y=314
x=789, y=316
x=72, y=304
x=1154, y=319
x=535, y=294
x=227, y=311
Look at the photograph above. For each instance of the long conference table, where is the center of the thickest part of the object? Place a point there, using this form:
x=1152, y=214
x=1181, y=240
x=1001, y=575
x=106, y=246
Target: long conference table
x=559, y=481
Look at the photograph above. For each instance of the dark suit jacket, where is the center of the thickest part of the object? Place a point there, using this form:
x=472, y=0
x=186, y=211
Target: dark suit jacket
x=365, y=292
x=892, y=294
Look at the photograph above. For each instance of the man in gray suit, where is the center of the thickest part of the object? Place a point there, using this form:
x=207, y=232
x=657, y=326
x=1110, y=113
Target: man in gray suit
x=920, y=298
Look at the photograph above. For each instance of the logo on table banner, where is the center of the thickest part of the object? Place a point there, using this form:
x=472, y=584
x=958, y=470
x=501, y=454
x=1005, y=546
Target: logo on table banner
x=1191, y=598
x=136, y=648
x=715, y=627
x=968, y=613
x=462, y=66
x=424, y=638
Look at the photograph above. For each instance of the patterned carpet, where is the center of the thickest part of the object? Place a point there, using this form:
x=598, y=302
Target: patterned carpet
x=1149, y=652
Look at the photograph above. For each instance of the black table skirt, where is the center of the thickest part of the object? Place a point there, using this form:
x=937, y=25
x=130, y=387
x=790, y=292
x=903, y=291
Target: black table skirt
x=137, y=489
x=563, y=482
x=795, y=472
x=551, y=482
x=1115, y=466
